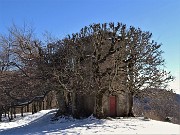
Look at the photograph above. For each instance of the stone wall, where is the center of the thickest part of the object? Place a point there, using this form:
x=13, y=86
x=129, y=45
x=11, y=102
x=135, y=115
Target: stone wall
x=87, y=104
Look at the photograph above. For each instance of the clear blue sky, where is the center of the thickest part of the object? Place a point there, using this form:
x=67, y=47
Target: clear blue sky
x=62, y=17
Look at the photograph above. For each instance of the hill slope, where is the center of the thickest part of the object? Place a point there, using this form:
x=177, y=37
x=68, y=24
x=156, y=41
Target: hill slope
x=40, y=123
x=158, y=104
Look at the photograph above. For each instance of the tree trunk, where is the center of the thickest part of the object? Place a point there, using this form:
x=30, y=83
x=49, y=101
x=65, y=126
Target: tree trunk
x=130, y=113
x=5, y=112
x=28, y=107
x=35, y=107
x=63, y=110
x=21, y=111
x=74, y=106
x=1, y=115
x=32, y=107
x=11, y=113
x=99, y=106
x=43, y=104
x=39, y=104
x=14, y=112
x=9, y=116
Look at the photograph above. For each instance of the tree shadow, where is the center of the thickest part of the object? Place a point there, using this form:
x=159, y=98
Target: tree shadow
x=44, y=125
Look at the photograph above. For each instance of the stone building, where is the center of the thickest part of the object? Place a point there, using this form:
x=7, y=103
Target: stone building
x=117, y=105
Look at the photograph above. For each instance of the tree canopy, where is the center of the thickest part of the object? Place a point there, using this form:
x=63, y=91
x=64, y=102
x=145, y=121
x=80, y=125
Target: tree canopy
x=100, y=58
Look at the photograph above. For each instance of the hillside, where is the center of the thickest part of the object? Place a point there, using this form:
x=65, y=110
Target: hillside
x=158, y=104
x=40, y=123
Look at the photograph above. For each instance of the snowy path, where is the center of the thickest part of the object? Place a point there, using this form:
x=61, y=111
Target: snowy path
x=40, y=124
x=29, y=124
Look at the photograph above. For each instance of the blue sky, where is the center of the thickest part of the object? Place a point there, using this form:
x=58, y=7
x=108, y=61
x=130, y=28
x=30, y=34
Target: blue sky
x=62, y=17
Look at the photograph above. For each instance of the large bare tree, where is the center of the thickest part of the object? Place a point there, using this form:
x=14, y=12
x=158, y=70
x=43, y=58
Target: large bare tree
x=118, y=59
x=101, y=58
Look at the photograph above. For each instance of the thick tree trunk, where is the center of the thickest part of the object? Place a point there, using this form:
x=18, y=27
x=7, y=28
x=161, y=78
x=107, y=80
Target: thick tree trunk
x=63, y=110
x=75, y=111
x=131, y=84
x=99, y=106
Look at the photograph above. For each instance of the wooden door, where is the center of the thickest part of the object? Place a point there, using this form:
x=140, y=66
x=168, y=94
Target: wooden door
x=112, y=107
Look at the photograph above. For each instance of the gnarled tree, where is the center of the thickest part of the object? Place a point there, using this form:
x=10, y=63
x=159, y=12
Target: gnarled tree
x=119, y=59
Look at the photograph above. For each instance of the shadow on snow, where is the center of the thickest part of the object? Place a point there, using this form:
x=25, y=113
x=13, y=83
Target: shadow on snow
x=44, y=125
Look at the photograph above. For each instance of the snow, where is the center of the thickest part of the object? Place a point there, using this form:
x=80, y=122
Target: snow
x=40, y=123
x=22, y=121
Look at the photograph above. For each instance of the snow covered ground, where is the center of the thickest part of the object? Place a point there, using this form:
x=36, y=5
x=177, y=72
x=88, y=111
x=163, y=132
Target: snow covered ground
x=40, y=123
